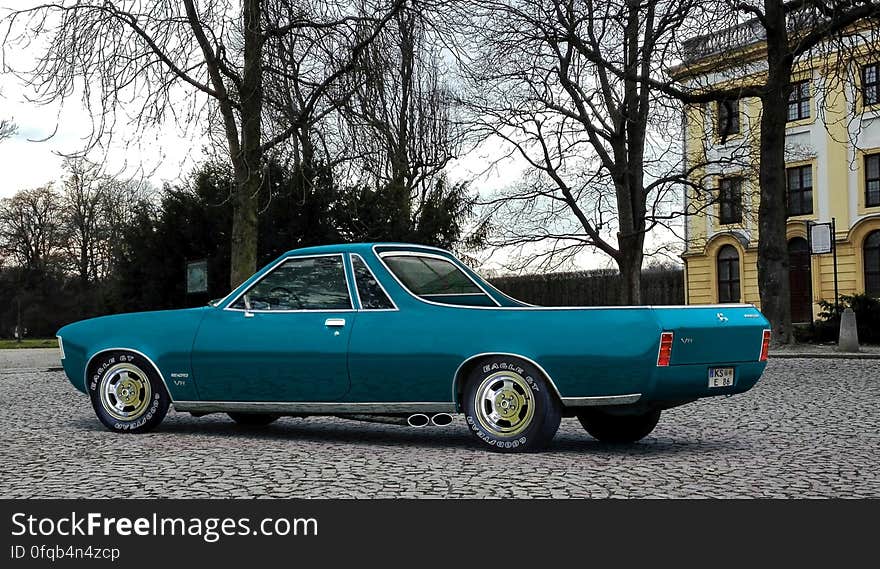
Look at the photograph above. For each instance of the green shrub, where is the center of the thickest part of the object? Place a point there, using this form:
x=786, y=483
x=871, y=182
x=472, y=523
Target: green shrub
x=867, y=309
x=818, y=332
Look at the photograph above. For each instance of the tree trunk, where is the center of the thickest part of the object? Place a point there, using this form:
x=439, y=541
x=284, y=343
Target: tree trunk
x=629, y=153
x=247, y=166
x=243, y=262
x=772, y=213
x=630, y=265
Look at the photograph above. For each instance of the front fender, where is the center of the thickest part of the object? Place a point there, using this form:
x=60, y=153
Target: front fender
x=163, y=337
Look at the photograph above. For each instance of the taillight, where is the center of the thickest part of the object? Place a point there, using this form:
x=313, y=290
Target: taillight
x=665, y=353
x=765, y=346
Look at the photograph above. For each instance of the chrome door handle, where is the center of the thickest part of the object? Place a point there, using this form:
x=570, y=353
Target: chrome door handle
x=334, y=322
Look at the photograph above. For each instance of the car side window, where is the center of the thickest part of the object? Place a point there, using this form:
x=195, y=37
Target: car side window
x=369, y=291
x=310, y=283
x=430, y=276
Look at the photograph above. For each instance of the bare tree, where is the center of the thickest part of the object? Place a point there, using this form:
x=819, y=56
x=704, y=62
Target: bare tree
x=30, y=229
x=544, y=82
x=792, y=32
x=208, y=64
x=7, y=129
x=311, y=78
x=95, y=210
x=398, y=119
x=82, y=198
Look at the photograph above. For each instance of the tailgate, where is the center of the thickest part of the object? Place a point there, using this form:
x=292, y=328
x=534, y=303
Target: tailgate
x=713, y=334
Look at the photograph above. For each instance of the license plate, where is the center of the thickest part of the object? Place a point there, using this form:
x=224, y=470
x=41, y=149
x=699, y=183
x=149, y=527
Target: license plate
x=720, y=376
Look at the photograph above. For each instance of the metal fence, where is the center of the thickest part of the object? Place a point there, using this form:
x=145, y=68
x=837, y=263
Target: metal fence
x=592, y=288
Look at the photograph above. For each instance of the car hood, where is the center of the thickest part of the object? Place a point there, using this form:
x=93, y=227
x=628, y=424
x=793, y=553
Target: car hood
x=117, y=323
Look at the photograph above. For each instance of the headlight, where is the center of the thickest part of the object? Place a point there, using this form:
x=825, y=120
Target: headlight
x=60, y=346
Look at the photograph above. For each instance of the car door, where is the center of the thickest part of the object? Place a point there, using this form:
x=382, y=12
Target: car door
x=410, y=353
x=284, y=339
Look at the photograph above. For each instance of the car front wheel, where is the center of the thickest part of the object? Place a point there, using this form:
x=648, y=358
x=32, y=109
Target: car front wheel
x=509, y=405
x=619, y=428
x=126, y=392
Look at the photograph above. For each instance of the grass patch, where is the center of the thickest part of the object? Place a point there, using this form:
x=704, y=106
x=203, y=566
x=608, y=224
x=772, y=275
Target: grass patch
x=29, y=343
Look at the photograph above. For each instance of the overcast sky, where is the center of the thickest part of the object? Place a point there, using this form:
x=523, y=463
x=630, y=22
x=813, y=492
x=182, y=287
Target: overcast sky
x=34, y=158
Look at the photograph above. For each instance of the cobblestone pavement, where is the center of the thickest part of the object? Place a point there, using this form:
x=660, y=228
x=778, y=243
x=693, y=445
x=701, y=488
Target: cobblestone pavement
x=809, y=429
x=32, y=358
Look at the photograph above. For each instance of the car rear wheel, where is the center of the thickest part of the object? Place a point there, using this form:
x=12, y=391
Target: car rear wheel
x=126, y=392
x=509, y=405
x=253, y=419
x=616, y=428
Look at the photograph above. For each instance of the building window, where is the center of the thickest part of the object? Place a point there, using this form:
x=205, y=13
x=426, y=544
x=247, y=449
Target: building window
x=799, y=182
x=799, y=101
x=730, y=200
x=728, y=274
x=728, y=118
x=872, y=180
x=871, y=251
x=871, y=84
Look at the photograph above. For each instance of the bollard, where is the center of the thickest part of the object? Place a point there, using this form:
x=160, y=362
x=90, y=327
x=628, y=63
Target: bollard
x=849, y=336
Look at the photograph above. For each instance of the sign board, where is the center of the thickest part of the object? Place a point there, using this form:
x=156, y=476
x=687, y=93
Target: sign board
x=820, y=238
x=197, y=276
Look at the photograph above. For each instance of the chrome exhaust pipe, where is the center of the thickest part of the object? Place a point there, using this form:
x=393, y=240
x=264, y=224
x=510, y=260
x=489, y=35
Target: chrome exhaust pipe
x=418, y=420
x=441, y=419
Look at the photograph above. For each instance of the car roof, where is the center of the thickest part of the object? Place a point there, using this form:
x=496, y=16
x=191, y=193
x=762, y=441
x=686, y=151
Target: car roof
x=357, y=248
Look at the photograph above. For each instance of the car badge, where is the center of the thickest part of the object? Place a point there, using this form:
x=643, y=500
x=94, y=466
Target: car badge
x=721, y=317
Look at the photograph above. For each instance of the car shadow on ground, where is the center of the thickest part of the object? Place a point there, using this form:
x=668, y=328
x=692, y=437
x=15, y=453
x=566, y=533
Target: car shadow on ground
x=452, y=437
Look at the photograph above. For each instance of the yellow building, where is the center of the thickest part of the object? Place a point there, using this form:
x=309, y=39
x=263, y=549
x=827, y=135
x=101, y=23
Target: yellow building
x=832, y=171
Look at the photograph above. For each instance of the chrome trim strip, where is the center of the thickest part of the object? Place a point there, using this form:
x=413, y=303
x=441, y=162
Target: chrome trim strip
x=61, y=345
x=480, y=355
x=138, y=352
x=668, y=306
x=275, y=266
x=311, y=310
x=601, y=400
x=456, y=294
x=328, y=408
x=381, y=286
x=453, y=260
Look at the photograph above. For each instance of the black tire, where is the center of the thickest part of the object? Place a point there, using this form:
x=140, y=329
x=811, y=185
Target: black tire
x=621, y=428
x=253, y=419
x=126, y=392
x=533, y=408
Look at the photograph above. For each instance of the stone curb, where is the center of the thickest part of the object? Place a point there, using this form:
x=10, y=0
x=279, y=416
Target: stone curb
x=824, y=355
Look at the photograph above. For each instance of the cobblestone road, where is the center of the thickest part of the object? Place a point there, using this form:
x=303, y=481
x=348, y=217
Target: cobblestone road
x=811, y=428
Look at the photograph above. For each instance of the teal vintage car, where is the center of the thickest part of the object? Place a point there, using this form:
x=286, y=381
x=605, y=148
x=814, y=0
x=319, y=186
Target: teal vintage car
x=409, y=334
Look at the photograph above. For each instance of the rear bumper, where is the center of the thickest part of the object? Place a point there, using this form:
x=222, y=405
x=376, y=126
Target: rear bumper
x=692, y=380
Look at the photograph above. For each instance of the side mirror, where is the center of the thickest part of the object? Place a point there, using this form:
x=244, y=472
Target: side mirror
x=247, y=307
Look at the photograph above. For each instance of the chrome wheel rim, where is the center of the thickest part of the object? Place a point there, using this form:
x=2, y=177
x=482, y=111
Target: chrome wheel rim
x=504, y=404
x=125, y=391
